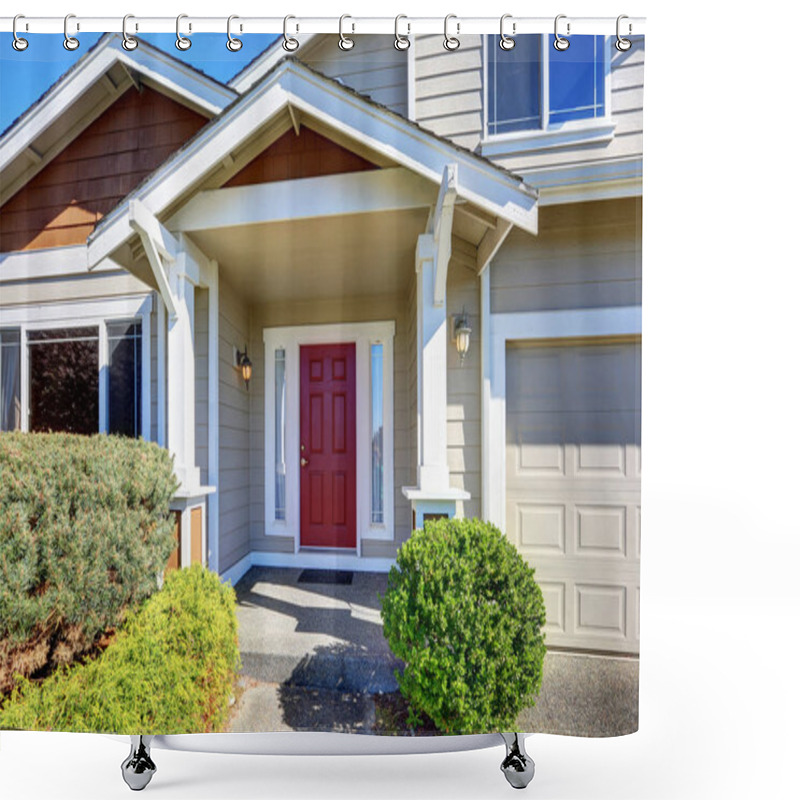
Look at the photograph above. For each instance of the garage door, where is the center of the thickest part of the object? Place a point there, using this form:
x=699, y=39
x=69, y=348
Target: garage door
x=573, y=466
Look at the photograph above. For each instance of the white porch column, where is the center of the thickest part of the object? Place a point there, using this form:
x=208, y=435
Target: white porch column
x=433, y=474
x=433, y=496
x=180, y=385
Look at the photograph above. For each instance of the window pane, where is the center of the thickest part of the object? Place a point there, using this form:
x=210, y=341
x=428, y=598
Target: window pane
x=280, y=434
x=124, y=378
x=376, y=353
x=515, y=81
x=576, y=79
x=10, y=408
x=63, y=366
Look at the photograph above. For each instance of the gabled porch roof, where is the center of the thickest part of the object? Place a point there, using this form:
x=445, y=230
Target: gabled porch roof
x=293, y=93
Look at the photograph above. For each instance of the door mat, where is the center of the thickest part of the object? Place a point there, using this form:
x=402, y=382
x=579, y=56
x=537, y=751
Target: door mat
x=337, y=576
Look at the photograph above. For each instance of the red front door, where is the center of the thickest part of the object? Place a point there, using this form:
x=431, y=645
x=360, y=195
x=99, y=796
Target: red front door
x=328, y=445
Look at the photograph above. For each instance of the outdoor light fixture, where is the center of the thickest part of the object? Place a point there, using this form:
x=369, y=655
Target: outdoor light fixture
x=461, y=332
x=245, y=365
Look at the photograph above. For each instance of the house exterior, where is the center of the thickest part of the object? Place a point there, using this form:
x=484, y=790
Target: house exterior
x=339, y=218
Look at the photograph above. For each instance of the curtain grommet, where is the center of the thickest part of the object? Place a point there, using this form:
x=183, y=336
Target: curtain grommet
x=401, y=42
x=233, y=44
x=560, y=43
x=290, y=44
x=451, y=43
x=18, y=43
x=622, y=44
x=345, y=42
x=129, y=43
x=507, y=42
x=71, y=43
x=182, y=43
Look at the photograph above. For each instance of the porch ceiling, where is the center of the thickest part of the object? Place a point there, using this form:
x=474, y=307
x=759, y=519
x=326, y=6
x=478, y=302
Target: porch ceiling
x=355, y=255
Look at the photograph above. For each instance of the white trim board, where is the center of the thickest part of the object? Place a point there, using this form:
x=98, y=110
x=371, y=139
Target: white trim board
x=393, y=189
x=78, y=311
x=55, y=262
x=305, y=559
x=503, y=328
x=290, y=339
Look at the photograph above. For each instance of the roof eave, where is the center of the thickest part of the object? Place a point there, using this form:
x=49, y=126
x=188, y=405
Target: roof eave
x=289, y=82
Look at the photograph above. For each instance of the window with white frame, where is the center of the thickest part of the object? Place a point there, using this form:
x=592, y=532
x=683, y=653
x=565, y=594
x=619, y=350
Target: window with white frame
x=79, y=378
x=535, y=87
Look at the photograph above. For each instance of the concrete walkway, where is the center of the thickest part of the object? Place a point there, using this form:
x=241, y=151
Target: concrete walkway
x=314, y=658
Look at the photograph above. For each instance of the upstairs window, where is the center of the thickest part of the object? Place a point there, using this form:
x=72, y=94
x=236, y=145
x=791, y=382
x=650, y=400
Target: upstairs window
x=534, y=87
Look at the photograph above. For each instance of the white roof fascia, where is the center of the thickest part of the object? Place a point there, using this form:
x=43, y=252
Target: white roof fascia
x=148, y=61
x=262, y=64
x=489, y=188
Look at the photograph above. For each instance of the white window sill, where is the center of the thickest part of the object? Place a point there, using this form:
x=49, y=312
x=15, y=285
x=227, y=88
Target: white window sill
x=571, y=134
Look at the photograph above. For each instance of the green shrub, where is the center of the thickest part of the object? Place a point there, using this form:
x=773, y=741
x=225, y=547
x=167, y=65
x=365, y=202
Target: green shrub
x=465, y=614
x=171, y=669
x=84, y=532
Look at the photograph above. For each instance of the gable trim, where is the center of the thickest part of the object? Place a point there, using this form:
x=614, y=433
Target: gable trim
x=490, y=188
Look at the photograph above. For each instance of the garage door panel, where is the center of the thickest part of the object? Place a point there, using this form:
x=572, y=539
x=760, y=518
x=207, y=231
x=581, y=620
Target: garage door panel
x=573, y=470
x=601, y=611
x=554, y=596
x=601, y=531
x=541, y=528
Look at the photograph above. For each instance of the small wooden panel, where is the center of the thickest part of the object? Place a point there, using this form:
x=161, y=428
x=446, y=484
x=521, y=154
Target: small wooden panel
x=175, y=558
x=290, y=157
x=61, y=204
x=197, y=535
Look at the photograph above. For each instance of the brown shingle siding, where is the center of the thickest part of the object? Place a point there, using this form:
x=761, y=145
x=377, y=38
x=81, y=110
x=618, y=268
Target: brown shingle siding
x=305, y=156
x=61, y=205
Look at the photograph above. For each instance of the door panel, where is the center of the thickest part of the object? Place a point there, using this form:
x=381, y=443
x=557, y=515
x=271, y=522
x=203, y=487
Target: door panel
x=328, y=445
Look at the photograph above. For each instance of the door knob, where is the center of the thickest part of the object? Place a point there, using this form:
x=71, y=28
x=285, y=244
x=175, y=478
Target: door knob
x=303, y=461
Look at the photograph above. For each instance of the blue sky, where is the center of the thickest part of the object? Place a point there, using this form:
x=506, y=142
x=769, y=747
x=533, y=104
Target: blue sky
x=26, y=75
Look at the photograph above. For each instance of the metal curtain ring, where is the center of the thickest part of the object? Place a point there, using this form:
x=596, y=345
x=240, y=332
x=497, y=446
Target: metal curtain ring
x=290, y=44
x=345, y=42
x=128, y=42
x=70, y=42
x=623, y=45
x=401, y=42
x=506, y=42
x=451, y=42
x=560, y=43
x=233, y=44
x=18, y=43
x=181, y=42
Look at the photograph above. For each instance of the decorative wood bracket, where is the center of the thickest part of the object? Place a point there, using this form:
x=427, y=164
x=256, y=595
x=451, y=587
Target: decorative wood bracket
x=159, y=246
x=441, y=226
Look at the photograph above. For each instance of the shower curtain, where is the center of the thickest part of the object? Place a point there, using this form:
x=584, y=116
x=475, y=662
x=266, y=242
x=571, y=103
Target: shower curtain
x=320, y=379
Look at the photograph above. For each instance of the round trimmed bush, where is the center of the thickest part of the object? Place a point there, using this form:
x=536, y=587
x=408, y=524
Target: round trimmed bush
x=464, y=612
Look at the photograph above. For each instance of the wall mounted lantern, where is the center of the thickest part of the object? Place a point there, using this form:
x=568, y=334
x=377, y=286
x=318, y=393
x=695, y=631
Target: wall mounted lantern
x=461, y=332
x=245, y=365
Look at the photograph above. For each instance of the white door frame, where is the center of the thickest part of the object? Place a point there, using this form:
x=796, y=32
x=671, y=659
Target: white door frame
x=291, y=339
